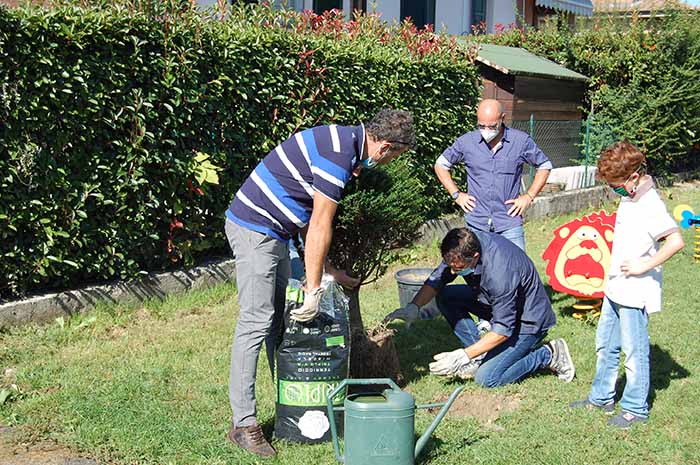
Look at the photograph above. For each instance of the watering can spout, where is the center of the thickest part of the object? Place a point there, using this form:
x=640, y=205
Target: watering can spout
x=445, y=407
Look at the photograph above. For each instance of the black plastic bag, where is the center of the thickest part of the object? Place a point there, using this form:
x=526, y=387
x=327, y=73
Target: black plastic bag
x=312, y=359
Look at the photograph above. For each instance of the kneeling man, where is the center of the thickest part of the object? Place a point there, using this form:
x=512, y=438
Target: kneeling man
x=520, y=311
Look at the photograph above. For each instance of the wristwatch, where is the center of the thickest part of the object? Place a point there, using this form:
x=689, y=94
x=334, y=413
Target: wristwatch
x=455, y=194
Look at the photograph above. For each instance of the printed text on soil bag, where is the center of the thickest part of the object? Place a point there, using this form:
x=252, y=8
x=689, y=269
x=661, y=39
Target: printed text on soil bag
x=306, y=393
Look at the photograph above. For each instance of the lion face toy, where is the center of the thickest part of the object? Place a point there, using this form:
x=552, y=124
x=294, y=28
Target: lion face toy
x=579, y=255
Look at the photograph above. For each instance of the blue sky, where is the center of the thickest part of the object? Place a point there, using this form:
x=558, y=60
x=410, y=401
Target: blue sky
x=693, y=2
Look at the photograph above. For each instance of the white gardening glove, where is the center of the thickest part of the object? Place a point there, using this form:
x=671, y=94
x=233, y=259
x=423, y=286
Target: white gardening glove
x=449, y=363
x=408, y=314
x=312, y=305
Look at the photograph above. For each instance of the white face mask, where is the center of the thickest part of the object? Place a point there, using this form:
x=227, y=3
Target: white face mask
x=489, y=134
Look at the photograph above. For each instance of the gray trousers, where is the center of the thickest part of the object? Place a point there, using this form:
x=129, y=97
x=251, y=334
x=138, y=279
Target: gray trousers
x=262, y=272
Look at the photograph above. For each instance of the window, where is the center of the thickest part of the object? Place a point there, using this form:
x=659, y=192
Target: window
x=422, y=12
x=323, y=5
x=359, y=5
x=478, y=12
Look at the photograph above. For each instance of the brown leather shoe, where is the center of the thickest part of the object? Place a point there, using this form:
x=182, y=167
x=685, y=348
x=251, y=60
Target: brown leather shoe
x=251, y=439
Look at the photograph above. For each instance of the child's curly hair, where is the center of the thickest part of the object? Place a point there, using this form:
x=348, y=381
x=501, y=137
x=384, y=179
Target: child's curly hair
x=620, y=160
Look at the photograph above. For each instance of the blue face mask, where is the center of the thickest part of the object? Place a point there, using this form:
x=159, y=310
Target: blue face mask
x=369, y=163
x=465, y=272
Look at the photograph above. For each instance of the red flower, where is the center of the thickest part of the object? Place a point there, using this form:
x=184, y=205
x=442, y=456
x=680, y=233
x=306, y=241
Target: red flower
x=175, y=224
x=193, y=189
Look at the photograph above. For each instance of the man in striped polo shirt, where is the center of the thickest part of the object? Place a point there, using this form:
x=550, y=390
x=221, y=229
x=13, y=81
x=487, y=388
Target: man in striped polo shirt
x=295, y=189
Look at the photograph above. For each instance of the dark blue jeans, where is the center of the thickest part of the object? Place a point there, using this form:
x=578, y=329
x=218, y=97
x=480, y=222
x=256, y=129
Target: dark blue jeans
x=509, y=362
x=458, y=303
x=513, y=360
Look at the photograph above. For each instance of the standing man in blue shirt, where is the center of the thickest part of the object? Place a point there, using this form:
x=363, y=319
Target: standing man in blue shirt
x=510, y=294
x=295, y=189
x=493, y=156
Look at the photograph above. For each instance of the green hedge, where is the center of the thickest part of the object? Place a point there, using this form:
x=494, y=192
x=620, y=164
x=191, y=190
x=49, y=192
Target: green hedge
x=103, y=110
x=644, y=78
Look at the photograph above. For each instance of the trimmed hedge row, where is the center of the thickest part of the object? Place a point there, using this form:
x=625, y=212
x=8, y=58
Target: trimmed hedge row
x=102, y=113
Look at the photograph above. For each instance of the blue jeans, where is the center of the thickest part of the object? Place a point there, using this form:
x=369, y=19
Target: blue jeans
x=296, y=263
x=513, y=360
x=458, y=303
x=509, y=362
x=516, y=235
x=627, y=329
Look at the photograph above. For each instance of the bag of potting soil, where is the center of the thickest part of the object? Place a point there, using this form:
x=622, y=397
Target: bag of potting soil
x=312, y=359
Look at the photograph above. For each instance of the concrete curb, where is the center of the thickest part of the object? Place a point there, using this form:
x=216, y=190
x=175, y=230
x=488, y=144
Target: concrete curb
x=543, y=206
x=46, y=308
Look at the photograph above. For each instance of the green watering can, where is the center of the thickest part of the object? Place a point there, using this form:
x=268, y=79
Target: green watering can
x=379, y=426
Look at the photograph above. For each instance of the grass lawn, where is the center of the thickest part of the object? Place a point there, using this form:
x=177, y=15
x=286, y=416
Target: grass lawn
x=148, y=383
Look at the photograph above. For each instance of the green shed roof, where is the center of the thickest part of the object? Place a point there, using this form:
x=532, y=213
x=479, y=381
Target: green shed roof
x=520, y=62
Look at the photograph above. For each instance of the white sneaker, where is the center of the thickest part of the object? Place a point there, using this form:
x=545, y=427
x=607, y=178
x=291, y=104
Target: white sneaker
x=484, y=326
x=561, y=362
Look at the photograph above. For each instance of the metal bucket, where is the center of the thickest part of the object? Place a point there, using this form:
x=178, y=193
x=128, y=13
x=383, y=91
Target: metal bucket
x=409, y=282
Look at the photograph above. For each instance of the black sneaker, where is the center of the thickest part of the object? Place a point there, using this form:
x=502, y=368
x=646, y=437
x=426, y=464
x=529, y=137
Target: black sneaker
x=561, y=362
x=625, y=420
x=608, y=408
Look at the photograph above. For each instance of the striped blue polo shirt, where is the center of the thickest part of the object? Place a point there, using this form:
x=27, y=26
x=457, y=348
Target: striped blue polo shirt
x=277, y=197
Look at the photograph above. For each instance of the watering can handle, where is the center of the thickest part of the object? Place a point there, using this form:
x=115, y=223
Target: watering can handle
x=336, y=391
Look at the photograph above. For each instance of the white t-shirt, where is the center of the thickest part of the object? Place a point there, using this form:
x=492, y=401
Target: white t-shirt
x=641, y=222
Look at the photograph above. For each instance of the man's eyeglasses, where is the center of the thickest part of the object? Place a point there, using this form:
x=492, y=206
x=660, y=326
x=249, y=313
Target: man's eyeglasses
x=399, y=142
x=488, y=126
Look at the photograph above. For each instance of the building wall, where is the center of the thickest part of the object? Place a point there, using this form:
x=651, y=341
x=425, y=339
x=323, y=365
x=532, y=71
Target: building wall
x=452, y=16
x=389, y=9
x=501, y=12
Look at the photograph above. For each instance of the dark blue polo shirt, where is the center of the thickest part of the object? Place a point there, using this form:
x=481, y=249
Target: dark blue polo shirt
x=509, y=284
x=278, y=196
x=494, y=178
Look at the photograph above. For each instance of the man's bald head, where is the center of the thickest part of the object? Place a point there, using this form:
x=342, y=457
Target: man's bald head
x=490, y=121
x=489, y=111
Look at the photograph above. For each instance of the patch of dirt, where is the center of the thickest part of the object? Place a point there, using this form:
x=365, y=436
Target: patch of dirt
x=43, y=453
x=141, y=314
x=193, y=312
x=374, y=355
x=484, y=406
x=116, y=332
